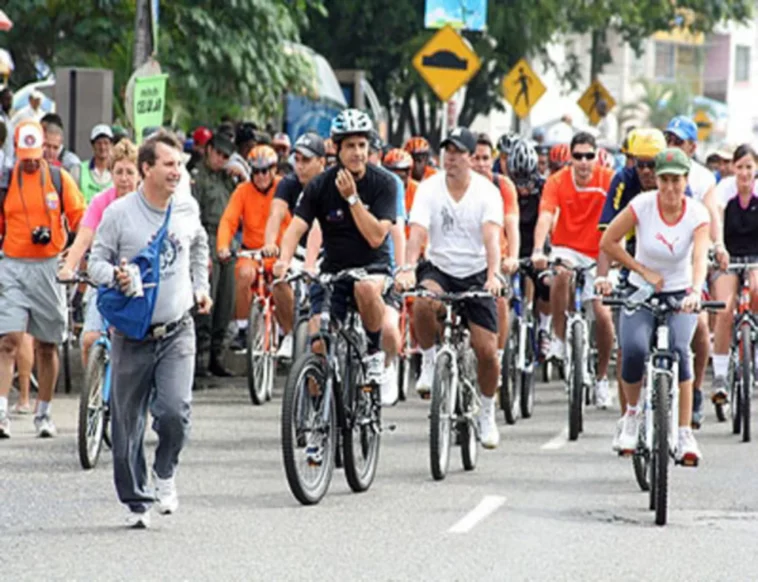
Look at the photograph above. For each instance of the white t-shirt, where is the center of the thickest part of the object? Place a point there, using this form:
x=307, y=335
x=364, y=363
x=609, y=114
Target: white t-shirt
x=700, y=180
x=666, y=248
x=727, y=189
x=456, y=241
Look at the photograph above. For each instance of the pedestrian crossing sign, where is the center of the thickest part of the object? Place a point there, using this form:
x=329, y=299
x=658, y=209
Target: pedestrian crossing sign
x=522, y=88
x=595, y=94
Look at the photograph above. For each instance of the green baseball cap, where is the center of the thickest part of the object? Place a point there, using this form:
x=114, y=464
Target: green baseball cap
x=672, y=161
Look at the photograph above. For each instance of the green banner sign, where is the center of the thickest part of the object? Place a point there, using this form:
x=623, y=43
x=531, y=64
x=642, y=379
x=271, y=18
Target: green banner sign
x=149, y=103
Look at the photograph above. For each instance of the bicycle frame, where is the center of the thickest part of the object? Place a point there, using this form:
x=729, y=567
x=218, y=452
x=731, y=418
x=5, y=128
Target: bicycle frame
x=105, y=341
x=661, y=361
x=522, y=309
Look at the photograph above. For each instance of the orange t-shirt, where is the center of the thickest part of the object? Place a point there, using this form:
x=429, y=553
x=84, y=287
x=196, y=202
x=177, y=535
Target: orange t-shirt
x=429, y=171
x=580, y=208
x=251, y=207
x=31, y=206
x=510, y=205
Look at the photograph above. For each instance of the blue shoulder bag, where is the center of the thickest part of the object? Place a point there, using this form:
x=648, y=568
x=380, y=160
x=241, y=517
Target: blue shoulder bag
x=132, y=315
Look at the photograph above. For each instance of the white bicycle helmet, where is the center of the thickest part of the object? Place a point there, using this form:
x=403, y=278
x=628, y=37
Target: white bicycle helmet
x=522, y=161
x=350, y=122
x=506, y=141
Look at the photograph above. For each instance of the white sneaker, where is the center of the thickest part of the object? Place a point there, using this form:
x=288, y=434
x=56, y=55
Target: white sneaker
x=630, y=433
x=375, y=368
x=557, y=350
x=426, y=377
x=390, y=390
x=5, y=426
x=165, y=494
x=45, y=427
x=616, y=444
x=285, y=348
x=488, y=431
x=687, y=451
x=137, y=520
x=603, y=394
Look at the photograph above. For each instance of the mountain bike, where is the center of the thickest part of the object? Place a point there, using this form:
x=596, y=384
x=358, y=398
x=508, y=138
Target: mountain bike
x=326, y=392
x=659, y=432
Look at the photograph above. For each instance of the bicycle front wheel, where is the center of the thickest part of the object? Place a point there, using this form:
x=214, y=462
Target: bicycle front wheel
x=509, y=389
x=576, y=380
x=361, y=435
x=746, y=383
x=91, y=426
x=661, y=420
x=441, y=416
x=258, y=337
x=309, y=433
x=526, y=388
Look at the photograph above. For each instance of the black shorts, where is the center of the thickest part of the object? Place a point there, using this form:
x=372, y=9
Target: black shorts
x=479, y=311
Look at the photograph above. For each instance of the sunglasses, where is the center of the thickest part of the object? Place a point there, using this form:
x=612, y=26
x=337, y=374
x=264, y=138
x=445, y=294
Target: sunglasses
x=256, y=171
x=673, y=140
x=645, y=164
x=588, y=156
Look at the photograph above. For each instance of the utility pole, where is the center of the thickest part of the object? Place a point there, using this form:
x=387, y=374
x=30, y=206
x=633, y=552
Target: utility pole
x=143, y=38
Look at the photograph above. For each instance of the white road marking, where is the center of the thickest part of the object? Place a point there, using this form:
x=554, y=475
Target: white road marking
x=487, y=506
x=557, y=442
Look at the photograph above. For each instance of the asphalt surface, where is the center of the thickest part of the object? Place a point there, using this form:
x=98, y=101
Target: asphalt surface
x=548, y=509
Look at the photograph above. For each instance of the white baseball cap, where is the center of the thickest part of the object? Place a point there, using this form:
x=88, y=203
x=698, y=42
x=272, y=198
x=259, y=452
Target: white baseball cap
x=28, y=140
x=101, y=130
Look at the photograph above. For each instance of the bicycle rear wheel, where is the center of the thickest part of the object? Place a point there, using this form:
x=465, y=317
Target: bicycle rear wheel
x=361, y=434
x=440, y=418
x=509, y=388
x=308, y=435
x=91, y=425
x=576, y=380
x=746, y=383
x=661, y=420
x=258, y=337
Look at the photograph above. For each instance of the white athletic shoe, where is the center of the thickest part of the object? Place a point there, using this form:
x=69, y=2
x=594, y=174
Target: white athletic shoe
x=488, y=431
x=165, y=494
x=603, y=394
x=390, y=389
x=426, y=377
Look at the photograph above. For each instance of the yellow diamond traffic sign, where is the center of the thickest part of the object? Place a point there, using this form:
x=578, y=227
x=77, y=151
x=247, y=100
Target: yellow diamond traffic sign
x=594, y=94
x=522, y=88
x=446, y=62
x=704, y=125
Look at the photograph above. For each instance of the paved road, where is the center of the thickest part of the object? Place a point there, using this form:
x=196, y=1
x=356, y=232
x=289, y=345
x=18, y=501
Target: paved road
x=568, y=511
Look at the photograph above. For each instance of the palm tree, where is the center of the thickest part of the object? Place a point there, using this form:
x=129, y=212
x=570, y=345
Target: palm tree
x=658, y=104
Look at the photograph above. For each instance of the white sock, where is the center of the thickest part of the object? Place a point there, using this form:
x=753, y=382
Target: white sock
x=487, y=403
x=429, y=354
x=683, y=430
x=242, y=324
x=43, y=408
x=632, y=410
x=720, y=364
x=3, y=404
x=545, y=321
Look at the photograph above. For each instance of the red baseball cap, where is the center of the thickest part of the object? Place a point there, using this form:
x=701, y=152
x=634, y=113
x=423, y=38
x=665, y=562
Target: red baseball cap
x=201, y=136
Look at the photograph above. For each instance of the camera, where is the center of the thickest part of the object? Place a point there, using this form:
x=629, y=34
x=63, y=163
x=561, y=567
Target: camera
x=41, y=235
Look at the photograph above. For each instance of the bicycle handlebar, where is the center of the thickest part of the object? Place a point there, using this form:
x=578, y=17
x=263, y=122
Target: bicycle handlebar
x=449, y=297
x=77, y=279
x=657, y=305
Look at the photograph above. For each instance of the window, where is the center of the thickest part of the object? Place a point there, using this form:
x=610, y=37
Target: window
x=664, y=61
x=742, y=64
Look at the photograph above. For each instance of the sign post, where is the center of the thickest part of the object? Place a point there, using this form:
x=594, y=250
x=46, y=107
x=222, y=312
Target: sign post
x=149, y=103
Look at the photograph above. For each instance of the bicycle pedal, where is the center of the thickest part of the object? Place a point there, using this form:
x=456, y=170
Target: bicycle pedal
x=628, y=454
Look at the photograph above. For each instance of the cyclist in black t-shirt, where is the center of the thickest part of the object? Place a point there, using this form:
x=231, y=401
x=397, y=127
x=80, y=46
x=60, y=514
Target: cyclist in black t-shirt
x=355, y=205
x=310, y=158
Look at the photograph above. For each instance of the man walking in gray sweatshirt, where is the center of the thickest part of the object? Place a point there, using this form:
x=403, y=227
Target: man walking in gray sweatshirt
x=158, y=371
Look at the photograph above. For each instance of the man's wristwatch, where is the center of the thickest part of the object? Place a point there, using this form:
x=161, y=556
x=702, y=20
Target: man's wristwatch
x=353, y=199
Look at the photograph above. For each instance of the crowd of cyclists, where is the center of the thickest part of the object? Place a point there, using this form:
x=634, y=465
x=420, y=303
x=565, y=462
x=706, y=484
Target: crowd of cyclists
x=643, y=219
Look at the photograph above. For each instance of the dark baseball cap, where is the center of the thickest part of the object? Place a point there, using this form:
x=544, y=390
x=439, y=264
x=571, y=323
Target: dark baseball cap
x=310, y=145
x=222, y=143
x=462, y=139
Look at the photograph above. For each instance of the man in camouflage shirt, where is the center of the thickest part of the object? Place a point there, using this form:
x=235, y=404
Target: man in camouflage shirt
x=212, y=186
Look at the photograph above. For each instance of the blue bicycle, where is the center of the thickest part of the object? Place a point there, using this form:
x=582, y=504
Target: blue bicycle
x=94, y=398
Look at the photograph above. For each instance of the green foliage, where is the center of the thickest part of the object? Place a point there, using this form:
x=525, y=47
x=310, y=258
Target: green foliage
x=659, y=103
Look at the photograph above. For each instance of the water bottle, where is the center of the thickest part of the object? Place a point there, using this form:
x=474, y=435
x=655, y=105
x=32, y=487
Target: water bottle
x=642, y=294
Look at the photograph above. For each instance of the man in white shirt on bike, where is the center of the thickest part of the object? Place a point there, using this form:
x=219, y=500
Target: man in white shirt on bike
x=461, y=213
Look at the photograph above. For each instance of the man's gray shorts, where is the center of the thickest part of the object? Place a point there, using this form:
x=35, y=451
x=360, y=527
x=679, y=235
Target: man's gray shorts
x=31, y=300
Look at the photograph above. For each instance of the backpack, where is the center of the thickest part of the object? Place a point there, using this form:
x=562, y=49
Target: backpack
x=132, y=315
